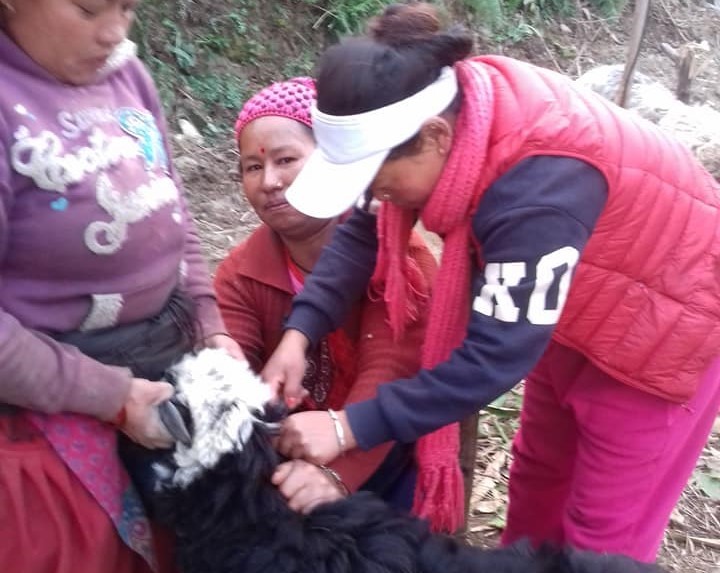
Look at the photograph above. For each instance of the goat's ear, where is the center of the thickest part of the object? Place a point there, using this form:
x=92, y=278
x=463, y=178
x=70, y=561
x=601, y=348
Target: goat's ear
x=164, y=472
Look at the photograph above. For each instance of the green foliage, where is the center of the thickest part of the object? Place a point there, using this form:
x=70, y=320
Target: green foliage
x=490, y=13
x=184, y=53
x=223, y=90
x=344, y=17
x=300, y=65
x=512, y=21
x=199, y=54
x=509, y=20
x=207, y=56
x=231, y=35
x=608, y=8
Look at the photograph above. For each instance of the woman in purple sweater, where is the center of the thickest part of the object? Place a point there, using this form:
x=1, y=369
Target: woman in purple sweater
x=102, y=287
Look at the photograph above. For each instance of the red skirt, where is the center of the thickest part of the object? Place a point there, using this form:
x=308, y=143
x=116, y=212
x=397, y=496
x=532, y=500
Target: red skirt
x=50, y=523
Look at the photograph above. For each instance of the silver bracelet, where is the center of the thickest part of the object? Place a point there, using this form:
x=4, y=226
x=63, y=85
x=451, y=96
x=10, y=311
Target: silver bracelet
x=336, y=479
x=339, y=431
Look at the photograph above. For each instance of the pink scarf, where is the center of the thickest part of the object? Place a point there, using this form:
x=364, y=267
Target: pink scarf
x=439, y=494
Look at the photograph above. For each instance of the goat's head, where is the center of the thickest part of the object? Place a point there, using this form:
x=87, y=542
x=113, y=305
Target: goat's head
x=222, y=404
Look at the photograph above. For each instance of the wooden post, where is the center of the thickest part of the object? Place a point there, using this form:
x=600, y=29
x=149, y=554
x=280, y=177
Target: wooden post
x=640, y=16
x=686, y=73
x=468, y=450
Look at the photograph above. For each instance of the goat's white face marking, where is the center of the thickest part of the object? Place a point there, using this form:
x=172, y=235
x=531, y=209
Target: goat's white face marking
x=223, y=396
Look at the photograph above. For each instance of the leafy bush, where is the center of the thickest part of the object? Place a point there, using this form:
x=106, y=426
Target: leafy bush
x=344, y=17
x=203, y=53
x=207, y=56
x=511, y=21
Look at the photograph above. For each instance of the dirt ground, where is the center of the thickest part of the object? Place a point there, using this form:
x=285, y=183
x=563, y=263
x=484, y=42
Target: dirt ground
x=572, y=46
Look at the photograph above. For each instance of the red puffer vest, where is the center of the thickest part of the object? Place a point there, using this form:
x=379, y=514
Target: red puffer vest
x=645, y=302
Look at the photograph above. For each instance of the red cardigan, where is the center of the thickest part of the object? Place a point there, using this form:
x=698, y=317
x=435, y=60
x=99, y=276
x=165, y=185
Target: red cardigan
x=254, y=294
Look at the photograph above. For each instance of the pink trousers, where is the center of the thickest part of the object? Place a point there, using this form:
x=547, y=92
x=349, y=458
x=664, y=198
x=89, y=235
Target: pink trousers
x=599, y=465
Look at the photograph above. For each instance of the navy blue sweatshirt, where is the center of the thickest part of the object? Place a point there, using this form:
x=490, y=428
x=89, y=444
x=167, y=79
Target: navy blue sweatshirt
x=532, y=224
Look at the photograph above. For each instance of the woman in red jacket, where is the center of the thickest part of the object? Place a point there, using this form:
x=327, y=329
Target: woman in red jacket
x=581, y=252
x=256, y=282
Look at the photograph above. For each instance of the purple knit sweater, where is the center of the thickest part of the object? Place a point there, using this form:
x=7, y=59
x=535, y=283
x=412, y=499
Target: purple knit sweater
x=93, y=229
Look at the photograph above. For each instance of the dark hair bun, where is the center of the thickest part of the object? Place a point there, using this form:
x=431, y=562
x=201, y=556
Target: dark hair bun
x=417, y=24
x=403, y=24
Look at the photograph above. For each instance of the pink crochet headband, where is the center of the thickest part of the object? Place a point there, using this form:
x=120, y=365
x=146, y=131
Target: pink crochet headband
x=291, y=98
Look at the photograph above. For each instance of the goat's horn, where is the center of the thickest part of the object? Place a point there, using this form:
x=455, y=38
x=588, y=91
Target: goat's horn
x=173, y=421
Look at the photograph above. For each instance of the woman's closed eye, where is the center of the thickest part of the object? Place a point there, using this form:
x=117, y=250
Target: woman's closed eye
x=89, y=9
x=86, y=10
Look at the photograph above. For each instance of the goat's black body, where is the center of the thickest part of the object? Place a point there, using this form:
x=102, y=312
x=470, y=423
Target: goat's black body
x=232, y=520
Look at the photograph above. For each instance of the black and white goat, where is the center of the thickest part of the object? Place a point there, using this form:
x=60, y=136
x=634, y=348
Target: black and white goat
x=216, y=495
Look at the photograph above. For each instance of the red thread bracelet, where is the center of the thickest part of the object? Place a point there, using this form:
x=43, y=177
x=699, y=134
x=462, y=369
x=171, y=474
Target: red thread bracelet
x=120, y=418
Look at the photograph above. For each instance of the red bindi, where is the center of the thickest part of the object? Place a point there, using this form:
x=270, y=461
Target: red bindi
x=262, y=151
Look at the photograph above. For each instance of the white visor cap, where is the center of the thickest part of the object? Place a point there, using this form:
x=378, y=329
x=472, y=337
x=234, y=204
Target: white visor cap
x=352, y=148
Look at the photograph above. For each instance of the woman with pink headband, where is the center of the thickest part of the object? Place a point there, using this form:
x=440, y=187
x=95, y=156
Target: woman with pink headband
x=581, y=252
x=256, y=282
